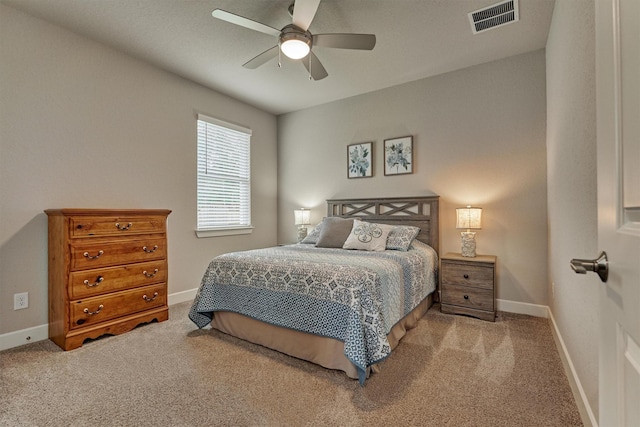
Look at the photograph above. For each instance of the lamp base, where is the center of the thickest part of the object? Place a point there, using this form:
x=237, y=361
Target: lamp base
x=302, y=233
x=468, y=244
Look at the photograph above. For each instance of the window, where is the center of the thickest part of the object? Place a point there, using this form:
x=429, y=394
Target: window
x=224, y=199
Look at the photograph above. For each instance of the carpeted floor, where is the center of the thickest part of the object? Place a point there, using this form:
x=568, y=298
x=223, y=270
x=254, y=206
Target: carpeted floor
x=448, y=371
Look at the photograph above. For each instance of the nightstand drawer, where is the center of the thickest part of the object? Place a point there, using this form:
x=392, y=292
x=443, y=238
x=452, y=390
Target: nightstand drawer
x=467, y=275
x=465, y=296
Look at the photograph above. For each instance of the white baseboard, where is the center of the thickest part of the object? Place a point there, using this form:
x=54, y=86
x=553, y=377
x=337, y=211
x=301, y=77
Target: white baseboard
x=578, y=391
x=535, y=310
x=183, y=296
x=24, y=336
x=39, y=333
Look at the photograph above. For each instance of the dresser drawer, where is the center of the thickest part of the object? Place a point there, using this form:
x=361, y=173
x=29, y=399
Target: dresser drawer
x=467, y=275
x=99, y=309
x=465, y=296
x=88, y=255
x=87, y=283
x=87, y=226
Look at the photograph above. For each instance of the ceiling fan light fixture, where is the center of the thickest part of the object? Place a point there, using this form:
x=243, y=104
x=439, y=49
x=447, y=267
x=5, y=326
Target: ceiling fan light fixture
x=295, y=49
x=294, y=42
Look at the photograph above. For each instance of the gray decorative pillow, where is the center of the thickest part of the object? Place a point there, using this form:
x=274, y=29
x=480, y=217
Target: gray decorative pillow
x=401, y=237
x=368, y=236
x=313, y=235
x=335, y=231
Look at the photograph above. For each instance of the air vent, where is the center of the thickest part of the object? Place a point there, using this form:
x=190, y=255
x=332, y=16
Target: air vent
x=494, y=16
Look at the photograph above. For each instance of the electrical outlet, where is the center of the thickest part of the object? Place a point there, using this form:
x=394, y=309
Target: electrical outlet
x=20, y=301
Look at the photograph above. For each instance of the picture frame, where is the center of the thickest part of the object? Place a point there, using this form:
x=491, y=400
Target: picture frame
x=398, y=155
x=360, y=160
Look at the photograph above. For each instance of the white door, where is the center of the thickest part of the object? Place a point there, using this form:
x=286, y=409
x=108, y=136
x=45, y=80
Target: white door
x=618, y=119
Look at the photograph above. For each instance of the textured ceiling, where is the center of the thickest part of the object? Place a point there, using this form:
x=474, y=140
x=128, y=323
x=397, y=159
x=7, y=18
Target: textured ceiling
x=415, y=39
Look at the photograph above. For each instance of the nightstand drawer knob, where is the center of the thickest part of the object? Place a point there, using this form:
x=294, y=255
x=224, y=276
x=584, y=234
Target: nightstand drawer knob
x=466, y=276
x=466, y=297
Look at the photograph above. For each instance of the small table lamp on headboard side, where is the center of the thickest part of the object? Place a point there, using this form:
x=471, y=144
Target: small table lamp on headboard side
x=469, y=218
x=302, y=219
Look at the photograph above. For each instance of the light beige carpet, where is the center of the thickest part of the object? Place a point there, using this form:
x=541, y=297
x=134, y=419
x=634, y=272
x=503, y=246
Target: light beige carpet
x=448, y=371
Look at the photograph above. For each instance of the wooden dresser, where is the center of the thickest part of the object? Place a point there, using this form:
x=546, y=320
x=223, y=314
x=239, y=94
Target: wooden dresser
x=107, y=272
x=467, y=285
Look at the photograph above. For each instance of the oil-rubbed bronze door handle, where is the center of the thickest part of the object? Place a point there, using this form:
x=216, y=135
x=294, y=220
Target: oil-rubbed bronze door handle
x=599, y=265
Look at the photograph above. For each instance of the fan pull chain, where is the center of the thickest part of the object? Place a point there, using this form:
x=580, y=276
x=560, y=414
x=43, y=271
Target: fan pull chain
x=279, y=56
x=310, y=78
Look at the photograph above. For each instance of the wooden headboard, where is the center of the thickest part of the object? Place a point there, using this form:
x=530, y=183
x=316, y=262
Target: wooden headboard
x=420, y=212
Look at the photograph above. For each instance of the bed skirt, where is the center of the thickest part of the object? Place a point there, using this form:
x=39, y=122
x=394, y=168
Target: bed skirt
x=323, y=351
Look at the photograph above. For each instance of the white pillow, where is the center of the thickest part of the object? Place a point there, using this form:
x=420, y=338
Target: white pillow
x=367, y=236
x=313, y=235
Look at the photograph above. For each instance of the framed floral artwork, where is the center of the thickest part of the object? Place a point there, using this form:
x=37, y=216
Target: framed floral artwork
x=360, y=160
x=398, y=155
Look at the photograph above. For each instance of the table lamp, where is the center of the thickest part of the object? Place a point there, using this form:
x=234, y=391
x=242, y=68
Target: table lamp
x=302, y=219
x=468, y=218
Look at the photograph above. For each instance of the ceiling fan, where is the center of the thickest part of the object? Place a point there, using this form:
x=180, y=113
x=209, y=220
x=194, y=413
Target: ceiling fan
x=295, y=40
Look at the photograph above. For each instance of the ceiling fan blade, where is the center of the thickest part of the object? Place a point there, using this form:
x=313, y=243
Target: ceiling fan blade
x=245, y=22
x=262, y=58
x=316, y=69
x=345, y=41
x=303, y=13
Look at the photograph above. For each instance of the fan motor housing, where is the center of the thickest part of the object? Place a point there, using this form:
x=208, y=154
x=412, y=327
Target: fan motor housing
x=291, y=32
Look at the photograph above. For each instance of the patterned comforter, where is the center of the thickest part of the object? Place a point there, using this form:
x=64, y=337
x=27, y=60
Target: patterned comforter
x=353, y=296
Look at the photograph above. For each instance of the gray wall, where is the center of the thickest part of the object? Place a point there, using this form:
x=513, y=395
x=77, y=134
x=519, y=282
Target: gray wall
x=84, y=126
x=572, y=182
x=479, y=138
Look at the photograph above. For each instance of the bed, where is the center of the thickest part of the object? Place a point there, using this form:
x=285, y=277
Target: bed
x=339, y=308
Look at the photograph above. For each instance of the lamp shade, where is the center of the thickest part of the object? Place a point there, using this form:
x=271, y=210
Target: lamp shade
x=302, y=216
x=469, y=218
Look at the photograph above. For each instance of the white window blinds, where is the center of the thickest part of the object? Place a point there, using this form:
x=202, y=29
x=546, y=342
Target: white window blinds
x=224, y=199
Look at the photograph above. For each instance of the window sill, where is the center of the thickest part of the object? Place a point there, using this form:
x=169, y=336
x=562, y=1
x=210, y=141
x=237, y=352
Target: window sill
x=224, y=232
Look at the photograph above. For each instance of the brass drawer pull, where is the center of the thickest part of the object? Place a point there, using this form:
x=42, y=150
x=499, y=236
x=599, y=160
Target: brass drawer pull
x=91, y=313
x=97, y=282
x=147, y=299
x=150, y=274
x=123, y=228
x=150, y=251
x=86, y=255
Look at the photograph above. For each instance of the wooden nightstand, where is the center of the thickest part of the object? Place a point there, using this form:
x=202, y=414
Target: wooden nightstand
x=467, y=285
